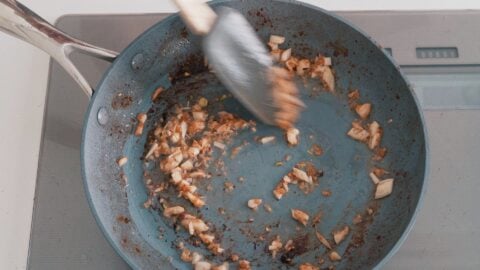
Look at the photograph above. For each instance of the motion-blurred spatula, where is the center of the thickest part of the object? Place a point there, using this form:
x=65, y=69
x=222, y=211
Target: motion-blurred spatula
x=236, y=54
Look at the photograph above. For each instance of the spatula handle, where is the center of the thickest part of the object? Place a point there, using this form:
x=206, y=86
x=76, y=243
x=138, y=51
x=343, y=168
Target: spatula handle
x=198, y=16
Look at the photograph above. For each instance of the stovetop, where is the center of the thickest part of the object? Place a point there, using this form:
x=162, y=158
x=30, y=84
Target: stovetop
x=437, y=50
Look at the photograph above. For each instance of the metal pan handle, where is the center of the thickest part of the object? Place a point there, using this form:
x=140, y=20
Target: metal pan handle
x=21, y=22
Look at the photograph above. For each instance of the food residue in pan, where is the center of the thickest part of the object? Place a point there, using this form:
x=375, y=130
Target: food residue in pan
x=300, y=216
x=183, y=143
x=254, y=203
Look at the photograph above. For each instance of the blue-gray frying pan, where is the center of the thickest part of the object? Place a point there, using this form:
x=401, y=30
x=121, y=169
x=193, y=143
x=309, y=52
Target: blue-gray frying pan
x=161, y=56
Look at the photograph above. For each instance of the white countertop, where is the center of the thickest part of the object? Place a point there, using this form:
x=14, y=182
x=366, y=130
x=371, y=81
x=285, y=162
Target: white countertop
x=23, y=73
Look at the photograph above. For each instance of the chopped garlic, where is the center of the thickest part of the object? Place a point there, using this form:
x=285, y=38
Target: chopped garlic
x=279, y=191
x=187, y=165
x=384, y=188
x=292, y=136
x=234, y=258
x=379, y=171
x=289, y=245
x=307, y=266
x=300, y=216
x=286, y=55
x=374, y=140
x=334, y=256
x=199, y=116
x=301, y=175
x=153, y=148
x=254, y=203
x=275, y=246
x=173, y=211
x=375, y=135
x=266, y=140
x=183, y=129
x=195, y=200
x=198, y=175
x=196, y=258
x=141, y=118
x=203, y=266
x=186, y=255
x=374, y=178
x=364, y=110
x=194, y=224
x=244, y=265
x=215, y=248
x=148, y=203
x=157, y=93
x=276, y=54
x=122, y=161
x=273, y=46
x=281, y=187
x=374, y=127
x=219, y=145
x=193, y=151
x=323, y=240
x=327, y=61
x=277, y=39
x=327, y=77
x=223, y=266
x=358, y=134
x=176, y=175
x=339, y=236
x=291, y=64
x=206, y=238
x=228, y=186
x=175, y=138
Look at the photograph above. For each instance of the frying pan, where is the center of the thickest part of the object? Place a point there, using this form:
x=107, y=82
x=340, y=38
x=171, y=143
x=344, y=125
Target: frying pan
x=160, y=57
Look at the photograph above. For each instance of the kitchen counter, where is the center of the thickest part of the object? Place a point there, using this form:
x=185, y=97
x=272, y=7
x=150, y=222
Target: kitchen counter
x=23, y=73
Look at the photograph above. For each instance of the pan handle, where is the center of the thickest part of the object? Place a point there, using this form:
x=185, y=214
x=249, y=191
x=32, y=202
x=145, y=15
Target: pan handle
x=21, y=22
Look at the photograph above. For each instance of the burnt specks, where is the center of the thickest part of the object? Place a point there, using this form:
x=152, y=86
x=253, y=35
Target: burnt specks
x=262, y=20
x=300, y=246
x=184, y=33
x=192, y=64
x=360, y=228
x=121, y=101
x=123, y=219
x=338, y=49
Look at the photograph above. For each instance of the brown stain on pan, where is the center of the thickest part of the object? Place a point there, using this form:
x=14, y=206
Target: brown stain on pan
x=121, y=101
x=300, y=246
x=338, y=49
x=261, y=19
x=192, y=64
x=123, y=219
x=360, y=230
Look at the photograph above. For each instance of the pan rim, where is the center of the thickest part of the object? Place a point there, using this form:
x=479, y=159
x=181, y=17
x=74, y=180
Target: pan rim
x=426, y=172
x=106, y=234
x=393, y=250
